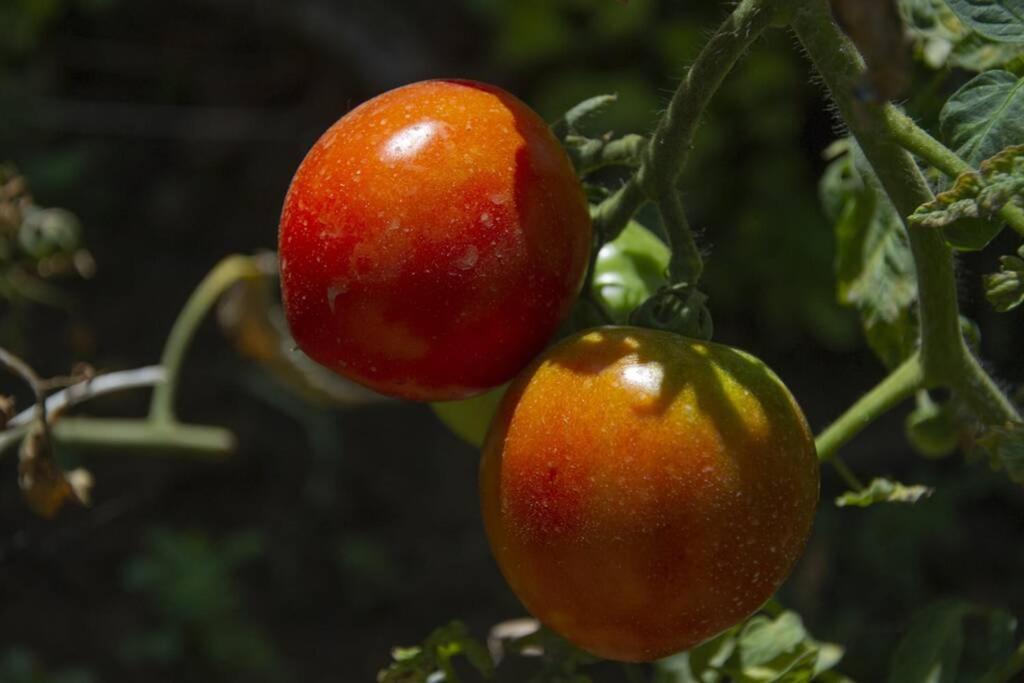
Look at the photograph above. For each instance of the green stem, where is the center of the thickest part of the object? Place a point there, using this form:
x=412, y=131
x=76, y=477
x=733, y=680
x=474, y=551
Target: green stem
x=900, y=384
x=944, y=356
x=230, y=270
x=916, y=140
x=145, y=435
x=669, y=148
x=673, y=136
x=846, y=473
x=686, y=265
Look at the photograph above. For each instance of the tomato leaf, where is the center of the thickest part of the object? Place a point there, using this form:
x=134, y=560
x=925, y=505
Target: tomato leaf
x=967, y=211
x=984, y=116
x=941, y=39
x=930, y=650
x=874, y=265
x=1001, y=20
x=764, y=648
x=417, y=664
x=1005, y=289
x=884, y=491
x=1005, y=446
x=764, y=639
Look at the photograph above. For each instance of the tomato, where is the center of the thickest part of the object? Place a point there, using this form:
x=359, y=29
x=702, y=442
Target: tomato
x=643, y=491
x=628, y=270
x=432, y=241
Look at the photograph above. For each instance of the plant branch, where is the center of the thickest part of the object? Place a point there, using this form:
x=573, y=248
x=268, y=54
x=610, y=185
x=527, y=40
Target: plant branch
x=23, y=370
x=669, y=147
x=78, y=393
x=230, y=270
x=145, y=436
x=673, y=137
x=917, y=141
x=897, y=386
x=944, y=356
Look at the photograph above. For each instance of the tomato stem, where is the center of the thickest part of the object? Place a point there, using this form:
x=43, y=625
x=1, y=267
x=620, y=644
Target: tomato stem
x=145, y=436
x=668, y=149
x=944, y=357
x=229, y=271
x=917, y=141
x=900, y=384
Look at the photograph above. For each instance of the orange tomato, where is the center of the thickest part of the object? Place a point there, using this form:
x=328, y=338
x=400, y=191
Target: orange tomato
x=643, y=491
x=432, y=241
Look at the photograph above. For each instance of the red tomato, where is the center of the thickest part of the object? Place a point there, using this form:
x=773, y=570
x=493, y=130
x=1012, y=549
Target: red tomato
x=432, y=241
x=643, y=491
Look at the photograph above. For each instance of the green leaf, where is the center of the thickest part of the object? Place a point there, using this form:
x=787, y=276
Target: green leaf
x=1001, y=20
x=1005, y=445
x=984, y=116
x=930, y=650
x=763, y=639
x=967, y=212
x=874, y=266
x=941, y=39
x=417, y=664
x=1005, y=289
x=884, y=491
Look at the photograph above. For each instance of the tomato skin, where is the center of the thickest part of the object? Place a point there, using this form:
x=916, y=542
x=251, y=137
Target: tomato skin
x=432, y=241
x=628, y=270
x=642, y=491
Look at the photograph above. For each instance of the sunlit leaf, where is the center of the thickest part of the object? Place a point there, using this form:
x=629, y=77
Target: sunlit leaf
x=884, y=491
x=984, y=116
x=1001, y=20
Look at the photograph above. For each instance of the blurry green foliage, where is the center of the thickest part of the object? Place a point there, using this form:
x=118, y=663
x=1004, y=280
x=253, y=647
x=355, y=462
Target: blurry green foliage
x=20, y=665
x=189, y=584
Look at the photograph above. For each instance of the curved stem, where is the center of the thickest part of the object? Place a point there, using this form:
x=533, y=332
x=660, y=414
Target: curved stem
x=686, y=264
x=917, y=141
x=81, y=392
x=226, y=273
x=900, y=384
x=29, y=376
x=669, y=147
x=673, y=136
x=944, y=356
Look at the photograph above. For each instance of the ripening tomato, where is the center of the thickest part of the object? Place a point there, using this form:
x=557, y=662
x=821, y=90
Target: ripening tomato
x=432, y=241
x=628, y=270
x=643, y=491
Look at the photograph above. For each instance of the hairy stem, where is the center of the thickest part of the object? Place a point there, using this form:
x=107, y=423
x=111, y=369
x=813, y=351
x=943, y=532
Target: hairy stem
x=686, y=264
x=673, y=136
x=916, y=140
x=944, y=356
x=669, y=147
x=900, y=384
x=230, y=270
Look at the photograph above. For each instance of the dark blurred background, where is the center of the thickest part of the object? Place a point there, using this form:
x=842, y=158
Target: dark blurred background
x=172, y=129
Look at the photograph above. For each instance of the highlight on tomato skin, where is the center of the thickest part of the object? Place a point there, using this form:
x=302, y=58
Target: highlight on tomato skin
x=642, y=492
x=432, y=241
